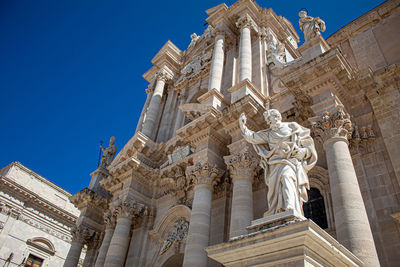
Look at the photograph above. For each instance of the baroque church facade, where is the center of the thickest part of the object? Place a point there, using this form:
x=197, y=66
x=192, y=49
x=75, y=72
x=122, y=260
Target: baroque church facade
x=187, y=185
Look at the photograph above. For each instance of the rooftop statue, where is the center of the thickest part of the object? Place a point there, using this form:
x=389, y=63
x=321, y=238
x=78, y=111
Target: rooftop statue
x=311, y=27
x=108, y=153
x=287, y=153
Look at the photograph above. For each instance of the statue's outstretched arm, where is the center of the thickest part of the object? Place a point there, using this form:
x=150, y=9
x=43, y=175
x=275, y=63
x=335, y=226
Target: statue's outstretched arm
x=249, y=135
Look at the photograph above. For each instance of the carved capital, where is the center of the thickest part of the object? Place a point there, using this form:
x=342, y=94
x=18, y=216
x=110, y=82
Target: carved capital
x=204, y=174
x=81, y=234
x=163, y=75
x=109, y=219
x=246, y=21
x=336, y=124
x=128, y=209
x=242, y=164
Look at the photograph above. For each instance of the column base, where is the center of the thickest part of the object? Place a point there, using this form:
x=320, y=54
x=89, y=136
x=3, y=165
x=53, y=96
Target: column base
x=245, y=88
x=213, y=98
x=294, y=243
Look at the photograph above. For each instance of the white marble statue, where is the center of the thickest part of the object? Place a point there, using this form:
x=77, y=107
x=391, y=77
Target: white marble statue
x=287, y=153
x=311, y=27
x=194, y=38
x=108, y=153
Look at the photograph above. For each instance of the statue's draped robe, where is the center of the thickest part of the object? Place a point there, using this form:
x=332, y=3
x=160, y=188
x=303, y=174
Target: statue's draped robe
x=285, y=176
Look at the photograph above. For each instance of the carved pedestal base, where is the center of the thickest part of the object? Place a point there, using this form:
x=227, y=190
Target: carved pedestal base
x=295, y=243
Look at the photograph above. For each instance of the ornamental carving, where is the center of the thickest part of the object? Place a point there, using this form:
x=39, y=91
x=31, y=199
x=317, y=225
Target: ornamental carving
x=246, y=21
x=361, y=139
x=178, y=233
x=242, y=165
x=129, y=209
x=109, y=219
x=176, y=183
x=81, y=233
x=163, y=75
x=198, y=64
x=204, y=174
x=331, y=125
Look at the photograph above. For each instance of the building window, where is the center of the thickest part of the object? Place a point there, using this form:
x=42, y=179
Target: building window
x=33, y=261
x=314, y=209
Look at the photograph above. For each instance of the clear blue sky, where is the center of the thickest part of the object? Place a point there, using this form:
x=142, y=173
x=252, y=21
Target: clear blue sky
x=71, y=72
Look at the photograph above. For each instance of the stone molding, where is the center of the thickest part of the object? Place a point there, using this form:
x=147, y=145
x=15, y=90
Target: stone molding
x=332, y=125
x=204, y=174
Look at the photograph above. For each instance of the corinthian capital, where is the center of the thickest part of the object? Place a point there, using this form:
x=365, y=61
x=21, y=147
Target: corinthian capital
x=163, y=75
x=246, y=21
x=242, y=164
x=204, y=174
x=128, y=209
x=335, y=124
x=81, y=233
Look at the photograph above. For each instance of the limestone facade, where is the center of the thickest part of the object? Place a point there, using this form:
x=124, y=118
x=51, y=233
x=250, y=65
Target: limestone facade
x=188, y=162
x=36, y=218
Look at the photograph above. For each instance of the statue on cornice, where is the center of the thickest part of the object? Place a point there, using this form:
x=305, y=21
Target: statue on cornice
x=311, y=27
x=108, y=153
x=194, y=38
x=287, y=153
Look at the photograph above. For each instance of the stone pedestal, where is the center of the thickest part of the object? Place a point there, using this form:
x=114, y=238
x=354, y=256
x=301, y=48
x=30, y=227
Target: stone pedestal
x=245, y=88
x=313, y=48
x=95, y=186
x=284, y=239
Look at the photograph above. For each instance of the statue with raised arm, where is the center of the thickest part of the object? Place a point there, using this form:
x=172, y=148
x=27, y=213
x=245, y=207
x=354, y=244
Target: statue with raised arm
x=108, y=153
x=287, y=153
x=311, y=27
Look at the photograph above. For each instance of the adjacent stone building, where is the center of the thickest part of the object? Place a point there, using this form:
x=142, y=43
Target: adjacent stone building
x=187, y=180
x=36, y=218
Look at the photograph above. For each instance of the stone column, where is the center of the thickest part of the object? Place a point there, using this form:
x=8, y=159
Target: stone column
x=351, y=220
x=241, y=167
x=217, y=64
x=149, y=93
x=199, y=227
x=179, y=115
x=245, y=23
x=120, y=240
x=79, y=236
x=108, y=234
x=92, y=248
x=155, y=103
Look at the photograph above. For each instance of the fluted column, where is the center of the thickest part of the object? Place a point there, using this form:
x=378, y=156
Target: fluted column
x=199, y=227
x=217, y=63
x=108, y=234
x=241, y=167
x=155, y=102
x=125, y=212
x=351, y=220
x=245, y=23
x=79, y=236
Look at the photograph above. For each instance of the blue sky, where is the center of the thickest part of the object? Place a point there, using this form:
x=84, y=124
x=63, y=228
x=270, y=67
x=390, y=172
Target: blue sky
x=71, y=72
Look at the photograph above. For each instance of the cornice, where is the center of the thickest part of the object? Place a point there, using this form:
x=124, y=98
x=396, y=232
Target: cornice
x=14, y=188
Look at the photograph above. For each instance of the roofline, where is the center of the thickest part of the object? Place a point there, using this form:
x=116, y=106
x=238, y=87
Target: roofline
x=38, y=176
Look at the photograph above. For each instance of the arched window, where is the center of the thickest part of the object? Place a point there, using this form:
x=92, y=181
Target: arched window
x=314, y=209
